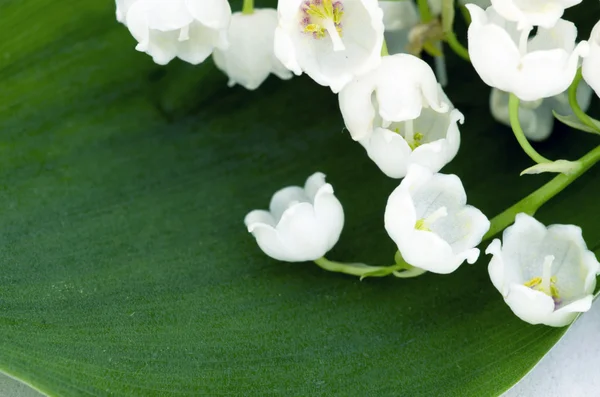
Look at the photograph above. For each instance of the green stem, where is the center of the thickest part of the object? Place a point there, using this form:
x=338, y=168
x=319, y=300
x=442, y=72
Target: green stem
x=357, y=269
x=248, y=7
x=513, y=109
x=410, y=273
x=584, y=118
x=384, y=49
x=424, y=11
x=457, y=47
x=535, y=200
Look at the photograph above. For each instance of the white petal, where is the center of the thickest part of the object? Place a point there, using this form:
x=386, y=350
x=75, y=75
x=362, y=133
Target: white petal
x=399, y=15
x=522, y=249
x=497, y=268
x=123, y=8
x=532, y=12
x=428, y=251
x=547, y=68
x=362, y=38
x=286, y=197
x=389, y=151
x=199, y=46
x=531, y=306
x=250, y=57
x=403, y=85
x=166, y=15
x=214, y=14
x=591, y=64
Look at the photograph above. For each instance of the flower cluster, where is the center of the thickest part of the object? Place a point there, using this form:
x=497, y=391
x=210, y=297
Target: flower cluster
x=395, y=107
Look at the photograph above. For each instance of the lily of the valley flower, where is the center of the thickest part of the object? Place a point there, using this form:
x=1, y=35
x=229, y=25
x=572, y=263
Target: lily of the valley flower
x=430, y=222
x=396, y=91
x=546, y=275
x=331, y=41
x=431, y=140
x=527, y=13
x=591, y=64
x=536, y=118
x=250, y=58
x=504, y=58
x=187, y=29
x=302, y=224
x=401, y=116
x=399, y=17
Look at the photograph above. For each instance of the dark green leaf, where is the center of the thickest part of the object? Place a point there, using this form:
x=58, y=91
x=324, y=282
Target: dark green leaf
x=126, y=267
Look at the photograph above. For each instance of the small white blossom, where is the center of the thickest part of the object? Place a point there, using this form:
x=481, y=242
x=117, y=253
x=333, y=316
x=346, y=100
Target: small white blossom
x=186, y=29
x=302, y=224
x=430, y=222
x=250, y=58
x=591, y=64
x=545, y=275
x=536, y=117
x=527, y=13
x=504, y=58
x=431, y=140
x=331, y=41
x=396, y=91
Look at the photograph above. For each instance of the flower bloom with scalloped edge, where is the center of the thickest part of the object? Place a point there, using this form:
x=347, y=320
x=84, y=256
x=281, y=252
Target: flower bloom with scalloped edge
x=186, y=29
x=545, y=275
x=527, y=13
x=302, y=224
x=250, y=58
x=591, y=64
x=504, y=58
x=536, y=117
x=428, y=218
x=396, y=91
x=332, y=41
x=431, y=140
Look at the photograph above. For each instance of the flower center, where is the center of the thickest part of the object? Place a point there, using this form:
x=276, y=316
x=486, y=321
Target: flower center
x=410, y=136
x=322, y=18
x=424, y=224
x=546, y=283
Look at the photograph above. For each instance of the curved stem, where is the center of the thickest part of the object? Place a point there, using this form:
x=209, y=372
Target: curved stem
x=513, y=109
x=358, y=269
x=424, y=11
x=248, y=7
x=410, y=273
x=457, y=47
x=584, y=118
x=535, y=200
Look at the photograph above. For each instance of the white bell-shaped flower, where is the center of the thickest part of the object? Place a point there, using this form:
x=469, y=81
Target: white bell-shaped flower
x=545, y=275
x=430, y=222
x=536, y=118
x=250, y=58
x=302, y=224
x=527, y=13
x=331, y=41
x=431, y=140
x=186, y=29
x=396, y=91
x=504, y=58
x=591, y=63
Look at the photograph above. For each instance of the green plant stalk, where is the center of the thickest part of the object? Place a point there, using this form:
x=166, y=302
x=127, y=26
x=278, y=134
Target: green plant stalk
x=457, y=47
x=535, y=200
x=584, y=118
x=358, y=269
x=513, y=109
x=424, y=11
x=248, y=7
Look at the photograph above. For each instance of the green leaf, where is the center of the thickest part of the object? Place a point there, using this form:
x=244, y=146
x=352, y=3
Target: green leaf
x=126, y=267
x=574, y=122
x=559, y=166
